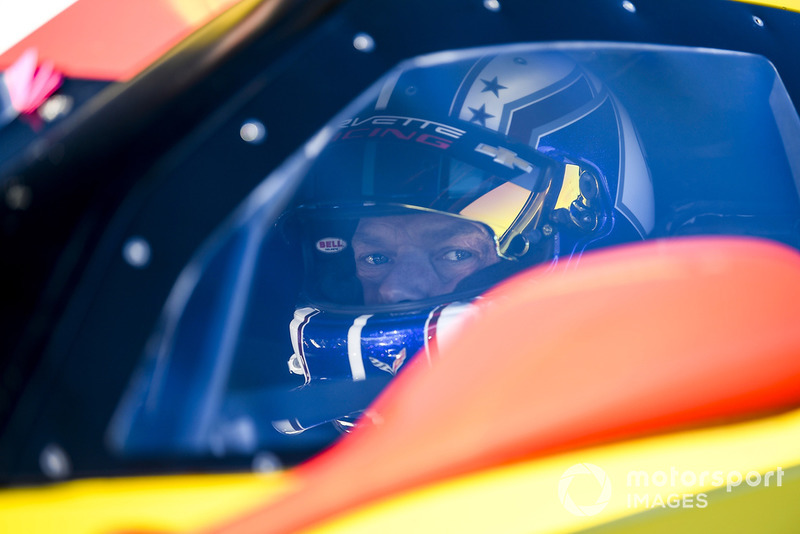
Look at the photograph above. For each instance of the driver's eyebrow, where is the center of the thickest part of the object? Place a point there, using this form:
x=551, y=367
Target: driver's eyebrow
x=370, y=235
x=454, y=230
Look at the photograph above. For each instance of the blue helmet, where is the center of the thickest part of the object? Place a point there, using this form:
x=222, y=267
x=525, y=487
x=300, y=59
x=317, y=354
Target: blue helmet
x=523, y=145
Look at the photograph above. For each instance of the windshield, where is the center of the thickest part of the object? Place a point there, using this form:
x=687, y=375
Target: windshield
x=450, y=174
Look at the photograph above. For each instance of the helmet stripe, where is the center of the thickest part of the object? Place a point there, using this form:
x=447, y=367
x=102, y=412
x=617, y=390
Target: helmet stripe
x=354, y=348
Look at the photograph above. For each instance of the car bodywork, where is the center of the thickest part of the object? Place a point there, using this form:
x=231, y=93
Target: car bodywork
x=138, y=150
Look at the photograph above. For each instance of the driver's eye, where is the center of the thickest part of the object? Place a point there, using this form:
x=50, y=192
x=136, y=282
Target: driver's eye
x=457, y=255
x=376, y=259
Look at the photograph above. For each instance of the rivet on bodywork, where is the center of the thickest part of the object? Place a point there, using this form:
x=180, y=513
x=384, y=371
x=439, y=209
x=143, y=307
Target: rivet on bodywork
x=364, y=42
x=18, y=197
x=55, y=107
x=136, y=252
x=266, y=462
x=492, y=5
x=758, y=21
x=54, y=462
x=628, y=6
x=253, y=131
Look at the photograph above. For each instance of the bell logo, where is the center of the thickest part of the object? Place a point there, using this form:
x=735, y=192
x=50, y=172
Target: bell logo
x=602, y=490
x=331, y=245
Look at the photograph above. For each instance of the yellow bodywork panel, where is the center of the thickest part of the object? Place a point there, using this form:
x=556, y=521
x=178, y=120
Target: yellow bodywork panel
x=673, y=483
x=793, y=5
x=198, y=11
x=137, y=504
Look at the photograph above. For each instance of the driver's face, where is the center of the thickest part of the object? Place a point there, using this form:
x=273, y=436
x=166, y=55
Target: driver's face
x=412, y=257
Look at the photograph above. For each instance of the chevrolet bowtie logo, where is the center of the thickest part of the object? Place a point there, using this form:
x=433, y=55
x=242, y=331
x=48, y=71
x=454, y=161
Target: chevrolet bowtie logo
x=504, y=157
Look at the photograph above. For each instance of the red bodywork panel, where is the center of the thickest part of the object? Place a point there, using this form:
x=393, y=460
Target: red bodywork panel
x=118, y=39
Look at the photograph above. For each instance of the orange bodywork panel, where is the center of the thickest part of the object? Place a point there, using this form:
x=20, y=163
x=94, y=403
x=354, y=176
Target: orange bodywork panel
x=635, y=341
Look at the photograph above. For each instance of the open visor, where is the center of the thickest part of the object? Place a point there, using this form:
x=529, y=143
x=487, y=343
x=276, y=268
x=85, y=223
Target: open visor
x=396, y=173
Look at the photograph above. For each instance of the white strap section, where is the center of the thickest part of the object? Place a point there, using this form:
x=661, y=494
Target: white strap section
x=451, y=320
x=445, y=325
x=297, y=361
x=354, y=348
x=300, y=316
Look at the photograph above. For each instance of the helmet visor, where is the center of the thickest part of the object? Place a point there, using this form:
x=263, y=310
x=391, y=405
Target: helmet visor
x=390, y=220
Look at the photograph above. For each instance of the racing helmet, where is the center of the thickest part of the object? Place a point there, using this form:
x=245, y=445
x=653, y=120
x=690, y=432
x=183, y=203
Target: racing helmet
x=522, y=144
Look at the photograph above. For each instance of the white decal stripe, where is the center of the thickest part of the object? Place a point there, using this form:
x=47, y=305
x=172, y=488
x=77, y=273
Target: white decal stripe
x=635, y=191
x=354, y=348
x=386, y=92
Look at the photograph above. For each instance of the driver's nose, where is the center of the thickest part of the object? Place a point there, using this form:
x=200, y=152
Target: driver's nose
x=411, y=278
